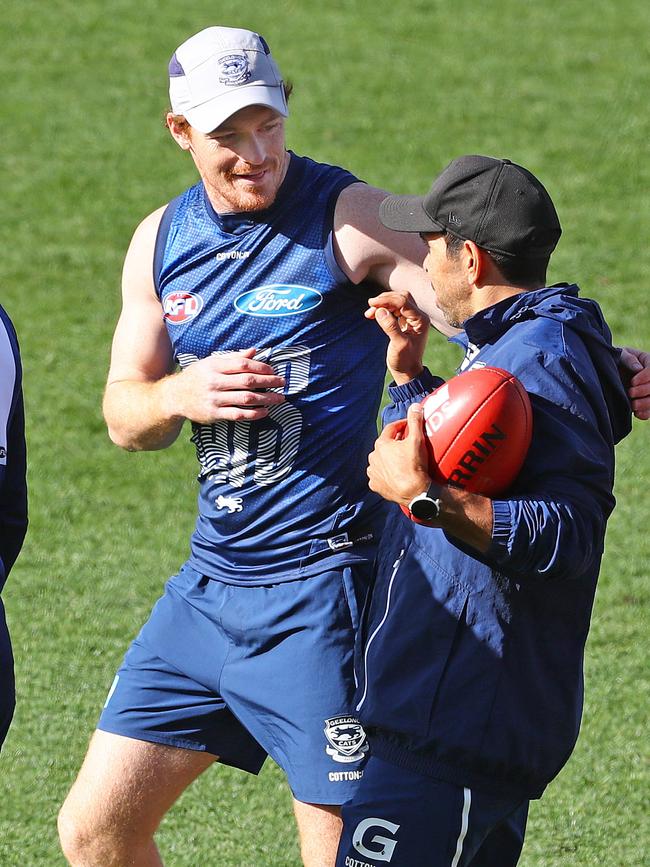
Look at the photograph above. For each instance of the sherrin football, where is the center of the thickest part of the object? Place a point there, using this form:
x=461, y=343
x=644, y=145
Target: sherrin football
x=478, y=427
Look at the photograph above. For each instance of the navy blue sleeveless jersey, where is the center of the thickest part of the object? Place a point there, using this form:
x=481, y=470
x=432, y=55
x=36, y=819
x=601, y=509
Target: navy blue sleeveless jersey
x=280, y=495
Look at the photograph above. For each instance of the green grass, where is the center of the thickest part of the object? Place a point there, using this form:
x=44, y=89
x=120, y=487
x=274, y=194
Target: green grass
x=392, y=91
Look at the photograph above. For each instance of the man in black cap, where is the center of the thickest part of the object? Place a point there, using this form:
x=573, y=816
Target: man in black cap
x=470, y=682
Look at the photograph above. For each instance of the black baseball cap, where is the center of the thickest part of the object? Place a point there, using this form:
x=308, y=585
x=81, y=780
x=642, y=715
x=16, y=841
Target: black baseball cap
x=499, y=205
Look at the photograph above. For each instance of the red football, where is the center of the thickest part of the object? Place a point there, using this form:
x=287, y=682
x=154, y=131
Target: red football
x=478, y=426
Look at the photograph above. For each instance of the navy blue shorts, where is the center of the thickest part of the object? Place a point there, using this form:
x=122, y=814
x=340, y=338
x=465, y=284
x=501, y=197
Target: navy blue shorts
x=7, y=685
x=405, y=819
x=242, y=672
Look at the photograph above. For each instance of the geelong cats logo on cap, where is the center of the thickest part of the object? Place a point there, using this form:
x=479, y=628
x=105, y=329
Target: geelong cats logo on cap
x=234, y=69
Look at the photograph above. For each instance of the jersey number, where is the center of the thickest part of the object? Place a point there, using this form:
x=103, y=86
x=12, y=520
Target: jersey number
x=226, y=449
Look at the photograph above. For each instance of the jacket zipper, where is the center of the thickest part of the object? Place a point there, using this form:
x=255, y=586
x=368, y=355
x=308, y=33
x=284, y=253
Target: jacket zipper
x=396, y=566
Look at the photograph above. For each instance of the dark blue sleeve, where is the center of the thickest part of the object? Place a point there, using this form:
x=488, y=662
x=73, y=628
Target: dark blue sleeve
x=553, y=524
x=402, y=396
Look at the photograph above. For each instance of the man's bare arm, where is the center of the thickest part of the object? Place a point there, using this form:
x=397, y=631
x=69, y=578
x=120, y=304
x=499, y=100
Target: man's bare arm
x=146, y=403
x=366, y=250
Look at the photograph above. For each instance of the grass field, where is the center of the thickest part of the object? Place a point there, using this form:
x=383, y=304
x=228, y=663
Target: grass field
x=392, y=91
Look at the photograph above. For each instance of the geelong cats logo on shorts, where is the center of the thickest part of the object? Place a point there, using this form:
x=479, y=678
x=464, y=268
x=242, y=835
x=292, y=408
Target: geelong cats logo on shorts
x=347, y=739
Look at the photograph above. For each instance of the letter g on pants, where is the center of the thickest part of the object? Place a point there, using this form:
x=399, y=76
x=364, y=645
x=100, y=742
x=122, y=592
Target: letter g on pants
x=385, y=846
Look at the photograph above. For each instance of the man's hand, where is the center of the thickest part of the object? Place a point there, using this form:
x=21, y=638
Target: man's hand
x=635, y=369
x=407, y=326
x=398, y=468
x=233, y=386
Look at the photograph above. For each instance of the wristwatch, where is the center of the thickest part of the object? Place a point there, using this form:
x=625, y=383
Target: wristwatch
x=426, y=506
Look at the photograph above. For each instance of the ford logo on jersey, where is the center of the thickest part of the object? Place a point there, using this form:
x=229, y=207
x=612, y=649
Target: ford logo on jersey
x=278, y=299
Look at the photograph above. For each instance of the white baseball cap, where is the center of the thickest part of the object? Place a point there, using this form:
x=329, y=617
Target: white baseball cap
x=219, y=71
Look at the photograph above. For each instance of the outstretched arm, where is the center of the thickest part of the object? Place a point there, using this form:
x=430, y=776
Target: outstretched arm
x=366, y=250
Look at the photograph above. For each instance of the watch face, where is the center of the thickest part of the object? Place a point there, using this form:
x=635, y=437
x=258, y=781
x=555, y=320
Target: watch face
x=425, y=509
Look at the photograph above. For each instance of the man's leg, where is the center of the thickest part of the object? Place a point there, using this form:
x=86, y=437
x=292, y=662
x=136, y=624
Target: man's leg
x=502, y=846
x=163, y=723
x=293, y=691
x=404, y=818
x=123, y=790
x=319, y=828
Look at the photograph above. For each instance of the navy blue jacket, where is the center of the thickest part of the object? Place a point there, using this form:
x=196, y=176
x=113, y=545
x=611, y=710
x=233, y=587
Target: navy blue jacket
x=471, y=666
x=13, y=485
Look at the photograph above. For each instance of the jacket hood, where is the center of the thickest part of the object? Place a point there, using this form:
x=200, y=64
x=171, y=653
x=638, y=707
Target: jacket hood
x=562, y=303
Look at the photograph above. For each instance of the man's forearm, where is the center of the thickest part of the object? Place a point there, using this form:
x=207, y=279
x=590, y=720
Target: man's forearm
x=138, y=414
x=467, y=517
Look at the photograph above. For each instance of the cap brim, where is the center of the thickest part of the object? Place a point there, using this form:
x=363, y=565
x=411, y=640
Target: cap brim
x=407, y=214
x=207, y=117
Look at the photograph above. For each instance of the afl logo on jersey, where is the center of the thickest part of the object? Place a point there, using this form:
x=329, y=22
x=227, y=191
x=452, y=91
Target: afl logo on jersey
x=181, y=306
x=278, y=299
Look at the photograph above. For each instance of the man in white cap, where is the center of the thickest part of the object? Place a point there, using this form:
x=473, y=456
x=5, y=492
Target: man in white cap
x=254, y=282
